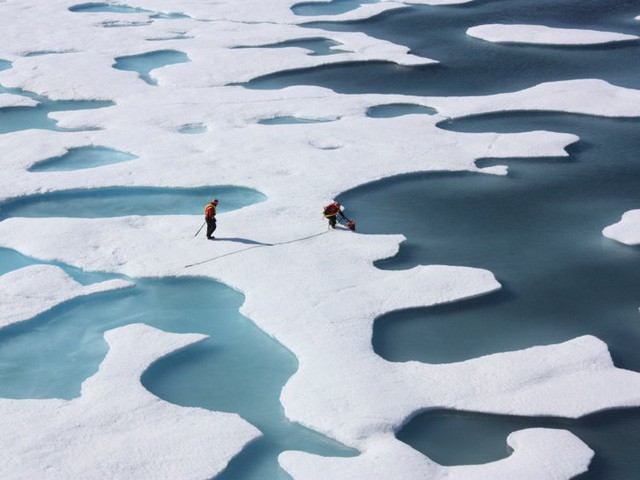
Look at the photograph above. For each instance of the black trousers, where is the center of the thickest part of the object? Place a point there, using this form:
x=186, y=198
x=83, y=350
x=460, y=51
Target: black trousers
x=211, y=226
x=333, y=220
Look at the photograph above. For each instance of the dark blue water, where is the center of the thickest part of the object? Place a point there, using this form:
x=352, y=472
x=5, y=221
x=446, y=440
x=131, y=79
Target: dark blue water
x=122, y=201
x=455, y=438
x=147, y=62
x=539, y=231
x=81, y=158
x=398, y=109
x=316, y=46
x=474, y=67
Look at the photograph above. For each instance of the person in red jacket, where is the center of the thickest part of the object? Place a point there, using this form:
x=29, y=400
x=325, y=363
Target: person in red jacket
x=210, y=217
x=331, y=212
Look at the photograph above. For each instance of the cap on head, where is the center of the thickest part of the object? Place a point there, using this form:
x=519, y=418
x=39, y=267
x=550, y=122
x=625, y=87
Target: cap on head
x=215, y=200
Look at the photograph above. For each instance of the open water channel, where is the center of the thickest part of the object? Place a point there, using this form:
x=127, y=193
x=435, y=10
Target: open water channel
x=538, y=229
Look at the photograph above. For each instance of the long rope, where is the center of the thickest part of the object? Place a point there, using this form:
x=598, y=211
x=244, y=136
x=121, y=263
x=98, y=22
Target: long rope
x=256, y=246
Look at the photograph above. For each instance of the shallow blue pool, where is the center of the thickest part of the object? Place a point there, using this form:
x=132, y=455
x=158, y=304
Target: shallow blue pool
x=122, y=201
x=11, y=260
x=13, y=119
x=81, y=158
x=145, y=63
x=288, y=120
x=106, y=7
x=121, y=8
x=335, y=7
x=193, y=129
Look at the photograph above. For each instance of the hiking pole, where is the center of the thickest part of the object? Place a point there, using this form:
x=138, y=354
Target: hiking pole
x=205, y=222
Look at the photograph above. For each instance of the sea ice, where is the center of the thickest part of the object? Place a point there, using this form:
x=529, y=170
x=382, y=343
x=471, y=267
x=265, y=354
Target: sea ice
x=588, y=97
x=11, y=100
x=627, y=230
x=315, y=291
x=542, y=35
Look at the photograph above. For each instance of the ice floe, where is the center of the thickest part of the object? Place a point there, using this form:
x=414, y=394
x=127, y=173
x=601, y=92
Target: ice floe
x=315, y=291
x=11, y=100
x=588, y=97
x=543, y=35
x=627, y=230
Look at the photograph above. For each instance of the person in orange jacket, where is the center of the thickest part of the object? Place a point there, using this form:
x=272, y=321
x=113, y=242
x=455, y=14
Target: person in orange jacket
x=210, y=218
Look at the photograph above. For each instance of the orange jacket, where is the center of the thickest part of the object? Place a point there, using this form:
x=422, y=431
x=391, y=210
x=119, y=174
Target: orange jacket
x=210, y=211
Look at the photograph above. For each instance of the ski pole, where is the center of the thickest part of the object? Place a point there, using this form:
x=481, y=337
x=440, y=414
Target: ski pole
x=205, y=222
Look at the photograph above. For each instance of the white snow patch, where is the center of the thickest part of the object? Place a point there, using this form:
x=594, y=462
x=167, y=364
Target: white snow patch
x=627, y=230
x=543, y=35
x=553, y=380
x=29, y=291
x=11, y=100
x=587, y=97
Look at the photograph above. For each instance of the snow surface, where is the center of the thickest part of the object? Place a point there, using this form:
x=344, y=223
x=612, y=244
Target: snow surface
x=585, y=96
x=543, y=35
x=10, y=100
x=29, y=291
x=319, y=296
x=627, y=230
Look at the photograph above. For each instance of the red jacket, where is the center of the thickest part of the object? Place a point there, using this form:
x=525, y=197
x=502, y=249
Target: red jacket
x=331, y=210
